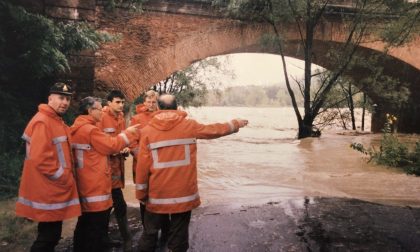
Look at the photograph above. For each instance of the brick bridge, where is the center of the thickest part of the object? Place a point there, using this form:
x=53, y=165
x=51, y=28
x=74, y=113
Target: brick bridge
x=169, y=36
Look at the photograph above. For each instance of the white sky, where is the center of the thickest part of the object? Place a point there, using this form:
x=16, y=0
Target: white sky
x=254, y=69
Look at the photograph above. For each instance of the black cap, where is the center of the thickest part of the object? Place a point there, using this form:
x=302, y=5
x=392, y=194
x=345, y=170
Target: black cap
x=61, y=88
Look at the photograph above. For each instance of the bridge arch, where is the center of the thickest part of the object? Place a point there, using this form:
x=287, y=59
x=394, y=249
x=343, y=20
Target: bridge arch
x=392, y=66
x=155, y=44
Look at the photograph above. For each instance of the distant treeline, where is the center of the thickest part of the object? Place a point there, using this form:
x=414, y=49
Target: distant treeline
x=263, y=96
x=258, y=96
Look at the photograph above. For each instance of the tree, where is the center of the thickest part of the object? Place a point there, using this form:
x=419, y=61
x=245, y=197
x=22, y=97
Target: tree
x=189, y=88
x=33, y=53
x=307, y=16
x=341, y=96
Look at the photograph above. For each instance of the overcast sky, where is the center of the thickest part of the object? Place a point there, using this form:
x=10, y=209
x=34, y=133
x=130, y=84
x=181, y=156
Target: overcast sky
x=254, y=69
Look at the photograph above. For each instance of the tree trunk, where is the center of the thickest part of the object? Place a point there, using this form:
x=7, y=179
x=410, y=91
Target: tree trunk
x=363, y=111
x=343, y=120
x=306, y=128
x=351, y=107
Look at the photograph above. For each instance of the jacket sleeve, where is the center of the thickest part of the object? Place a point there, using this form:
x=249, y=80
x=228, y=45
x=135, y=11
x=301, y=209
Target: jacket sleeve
x=215, y=130
x=106, y=144
x=42, y=156
x=143, y=170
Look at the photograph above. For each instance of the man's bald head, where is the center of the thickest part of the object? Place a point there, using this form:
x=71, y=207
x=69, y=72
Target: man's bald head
x=167, y=102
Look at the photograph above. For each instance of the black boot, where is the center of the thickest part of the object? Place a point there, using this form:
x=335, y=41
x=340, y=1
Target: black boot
x=125, y=232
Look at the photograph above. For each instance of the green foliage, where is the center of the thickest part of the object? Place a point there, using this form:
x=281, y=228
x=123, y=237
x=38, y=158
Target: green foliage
x=28, y=43
x=405, y=25
x=308, y=17
x=189, y=88
x=392, y=152
x=191, y=93
x=10, y=171
x=250, y=96
x=135, y=5
x=272, y=11
x=33, y=52
x=16, y=234
x=414, y=167
x=34, y=45
x=391, y=90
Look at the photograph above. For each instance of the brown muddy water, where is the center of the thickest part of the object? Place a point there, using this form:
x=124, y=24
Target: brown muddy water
x=265, y=163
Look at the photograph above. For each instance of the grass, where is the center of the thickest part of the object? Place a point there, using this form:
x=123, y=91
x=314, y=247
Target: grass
x=16, y=234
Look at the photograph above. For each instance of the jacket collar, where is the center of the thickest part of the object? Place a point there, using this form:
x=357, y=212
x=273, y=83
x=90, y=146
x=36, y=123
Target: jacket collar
x=49, y=111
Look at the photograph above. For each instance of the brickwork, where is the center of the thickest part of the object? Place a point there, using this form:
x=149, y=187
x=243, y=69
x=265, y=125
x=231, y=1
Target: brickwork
x=170, y=36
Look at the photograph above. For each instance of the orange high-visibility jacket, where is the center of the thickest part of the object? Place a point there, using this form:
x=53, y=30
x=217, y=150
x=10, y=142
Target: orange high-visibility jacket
x=91, y=149
x=114, y=125
x=141, y=117
x=167, y=162
x=47, y=189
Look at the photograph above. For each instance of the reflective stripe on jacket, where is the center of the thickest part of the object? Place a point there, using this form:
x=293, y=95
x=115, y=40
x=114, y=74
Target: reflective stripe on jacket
x=167, y=168
x=91, y=149
x=47, y=189
x=114, y=125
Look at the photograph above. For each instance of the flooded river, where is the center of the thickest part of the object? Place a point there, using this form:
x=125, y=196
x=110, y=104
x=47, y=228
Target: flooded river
x=264, y=162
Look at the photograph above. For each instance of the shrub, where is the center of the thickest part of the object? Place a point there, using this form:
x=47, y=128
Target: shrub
x=391, y=151
x=10, y=171
x=414, y=167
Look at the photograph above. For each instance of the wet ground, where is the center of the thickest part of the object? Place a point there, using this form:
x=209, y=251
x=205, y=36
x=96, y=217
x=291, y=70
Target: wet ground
x=308, y=224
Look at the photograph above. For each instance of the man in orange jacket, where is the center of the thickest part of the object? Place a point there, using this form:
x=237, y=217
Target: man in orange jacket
x=166, y=178
x=91, y=149
x=113, y=123
x=47, y=191
x=144, y=113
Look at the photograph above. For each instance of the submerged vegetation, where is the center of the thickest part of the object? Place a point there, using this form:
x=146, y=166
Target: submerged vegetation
x=392, y=152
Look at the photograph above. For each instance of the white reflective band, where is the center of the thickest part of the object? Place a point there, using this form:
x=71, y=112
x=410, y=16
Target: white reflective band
x=78, y=146
x=174, y=200
x=58, y=173
x=60, y=153
x=231, y=126
x=79, y=157
x=28, y=149
x=26, y=137
x=59, y=139
x=124, y=136
x=45, y=206
x=166, y=143
x=109, y=130
x=116, y=177
x=177, y=163
x=141, y=186
x=27, y=145
x=96, y=198
x=79, y=152
x=171, y=164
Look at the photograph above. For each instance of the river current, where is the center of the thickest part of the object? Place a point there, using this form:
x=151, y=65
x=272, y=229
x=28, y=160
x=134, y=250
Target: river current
x=264, y=162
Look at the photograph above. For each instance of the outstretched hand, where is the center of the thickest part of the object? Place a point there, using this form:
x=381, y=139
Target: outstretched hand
x=242, y=123
x=133, y=129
